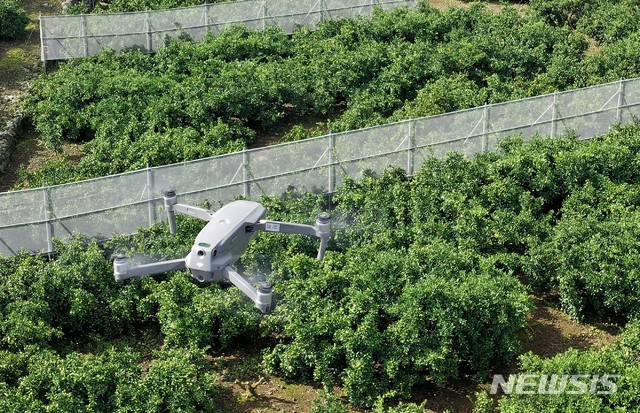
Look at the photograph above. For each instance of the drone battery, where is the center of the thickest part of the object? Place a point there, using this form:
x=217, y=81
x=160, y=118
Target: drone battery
x=223, y=240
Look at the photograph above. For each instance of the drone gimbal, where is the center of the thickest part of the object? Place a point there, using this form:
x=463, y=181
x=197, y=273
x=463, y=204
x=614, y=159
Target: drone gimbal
x=221, y=243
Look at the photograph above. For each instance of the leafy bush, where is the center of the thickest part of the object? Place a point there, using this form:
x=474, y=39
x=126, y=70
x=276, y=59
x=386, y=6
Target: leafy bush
x=208, y=316
x=13, y=18
x=176, y=380
x=560, y=12
x=384, y=321
x=42, y=301
x=380, y=316
x=610, y=21
x=328, y=403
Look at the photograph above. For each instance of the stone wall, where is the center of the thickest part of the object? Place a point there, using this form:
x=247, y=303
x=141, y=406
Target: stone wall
x=7, y=138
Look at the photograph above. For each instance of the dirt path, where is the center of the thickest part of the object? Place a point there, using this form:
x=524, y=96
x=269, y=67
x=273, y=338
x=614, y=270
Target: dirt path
x=20, y=59
x=20, y=64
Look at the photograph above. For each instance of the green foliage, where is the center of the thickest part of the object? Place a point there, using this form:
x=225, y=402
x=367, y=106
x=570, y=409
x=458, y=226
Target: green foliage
x=176, y=380
x=13, y=18
x=384, y=321
x=483, y=403
x=583, y=256
x=42, y=301
x=47, y=307
x=610, y=21
x=207, y=316
x=560, y=12
x=617, y=60
x=394, y=308
x=400, y=408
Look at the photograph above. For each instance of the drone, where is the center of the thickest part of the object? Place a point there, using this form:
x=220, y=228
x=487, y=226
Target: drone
x=221, y=243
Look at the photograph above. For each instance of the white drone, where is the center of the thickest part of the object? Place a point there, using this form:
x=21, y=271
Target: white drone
x=221, y=243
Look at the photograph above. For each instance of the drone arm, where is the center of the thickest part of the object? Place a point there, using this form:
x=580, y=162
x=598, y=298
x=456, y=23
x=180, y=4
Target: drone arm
x=324, y=240
x=261, y=297
x=172, y=206
x=285, y=227
x=121, y=270
x=321, y=230
x=196, y=212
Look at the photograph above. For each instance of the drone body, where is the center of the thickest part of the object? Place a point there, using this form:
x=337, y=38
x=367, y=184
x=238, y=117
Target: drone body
x=221, y=243
x=223, y=240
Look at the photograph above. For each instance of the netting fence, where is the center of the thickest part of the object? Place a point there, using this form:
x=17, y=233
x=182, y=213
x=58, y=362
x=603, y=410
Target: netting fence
x=73, y=36
x=120, y=204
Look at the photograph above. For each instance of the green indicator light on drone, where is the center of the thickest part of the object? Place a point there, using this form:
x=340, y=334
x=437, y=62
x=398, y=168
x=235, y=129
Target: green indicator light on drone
x=204, y=244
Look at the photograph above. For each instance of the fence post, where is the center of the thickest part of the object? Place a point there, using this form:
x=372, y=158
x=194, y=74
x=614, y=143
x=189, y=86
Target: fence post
x=148, y=32
x=43, y=53
x=554, y=114
x=323, y=7
x=85, y=43
x=264, y=14
x=47, y=217
x=485, y=128
x=620, y=101
x=206, y=17
x=246, y=190
x=411, y=146
x=151, y=203
x=332, y=168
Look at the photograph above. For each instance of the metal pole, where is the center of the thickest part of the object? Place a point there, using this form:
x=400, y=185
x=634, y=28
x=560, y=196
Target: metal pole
x=151, y=203
x=554, y=114
x=84, y=35
x=485, y=128
x=411, y=146
x=206, y=17
x=148, y=30
x=246, y=190
x=332, y=169
x=620, y=101
x=43, y=53
x=264, y=14
x=47, y=217
x=323, y=8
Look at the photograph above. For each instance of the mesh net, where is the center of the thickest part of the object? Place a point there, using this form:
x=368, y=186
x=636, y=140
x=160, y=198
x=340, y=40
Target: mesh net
x=67, y=37
x=122, y=203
